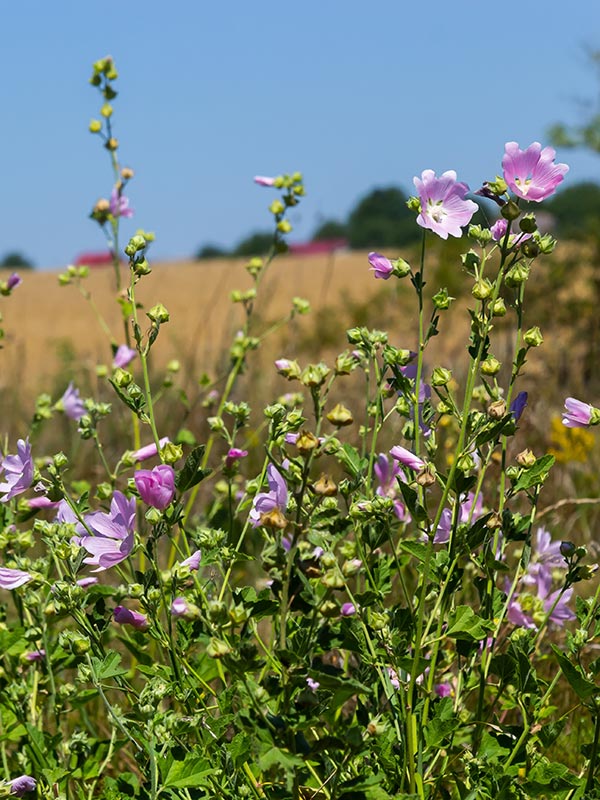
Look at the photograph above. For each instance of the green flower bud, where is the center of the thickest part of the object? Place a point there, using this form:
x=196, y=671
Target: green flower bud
x=517, y=275
x=314, y=375
x=329, y=609
x=441, y=376
x=284, y=226
x=121, y=377
x=340, y=416
x=300, y=305
x=95, y=126
x=497, y=187
x=401, y=267
x=546, y=243
x=153, y=515
x=530, y=249
x=217, y=649
x=525, y=458
x=441, y=300
x=497, y=409
x=490, y=366
x=499, y=308
x=533, y=337
x=510, y=210
x=276, y=207
x=171, y=453
x=141, y=267
x=158, y=313
x=135, y=244
x=481, y=235
x=528, y=224
x=482, y=289
x=106, y=110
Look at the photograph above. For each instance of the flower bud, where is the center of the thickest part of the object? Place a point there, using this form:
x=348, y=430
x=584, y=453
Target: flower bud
x=497, y=409
x=142, y=267
x=490, y=366
x=329, y=609
x=526, y=458
x=284, y=226
x=510, y=210
x=567, y=549
x=497, y=187
x=112, y=144
x=306, y=442
x=494, y=522
x=127, y=173
x=276, y=207
x=530, y=249
x=106, y=110
x=95, y=126
x=528, y=224
x=426, y=477
x=441, y=376
x=273, y=519
x=217, y=649
x=441, y=299
x=158, y=313
x=135, y=244
x=340, y=416
x=314, y=375
x=516, y=275
x=499, y=308
x=325, y=486
x=533, y=337
x=482, y=289
x=401, y=267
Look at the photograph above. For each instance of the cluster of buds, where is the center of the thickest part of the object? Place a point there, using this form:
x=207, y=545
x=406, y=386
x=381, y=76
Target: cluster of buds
x=293, y=190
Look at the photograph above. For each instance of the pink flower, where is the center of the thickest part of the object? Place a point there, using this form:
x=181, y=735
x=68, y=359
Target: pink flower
x=180, y=607
x=577, y=413
x=85, y=582
x=35, y=655
x=43, y=502
x=123, y=356
x=72, y=403
x=113, y=539
x=444, y=209
x=18, y=471
x=119, y=205
x=148, y=451
x=125, y=616
x=262, y=180
x=193, y=561
x=406, y=458
x=13, y=281
x=234, y=454
x=156, y=486
x=532, y=174
x=21, y=785
x=13, y=578
x=312, y=684
x=381, y=266
x=348, y=610
x=277, y=497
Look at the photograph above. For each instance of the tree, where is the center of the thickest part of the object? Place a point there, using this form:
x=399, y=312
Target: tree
x=330, y=229
x=381, y=219
x=587, y=134
x=210, y=251
x=16, y=260
x=254, y=245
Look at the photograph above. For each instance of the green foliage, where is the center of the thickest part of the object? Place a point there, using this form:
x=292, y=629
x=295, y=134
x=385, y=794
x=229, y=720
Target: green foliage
x=16, y=260
x=381, y=219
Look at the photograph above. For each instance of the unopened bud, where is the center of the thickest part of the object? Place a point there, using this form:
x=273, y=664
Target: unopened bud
x=127, y=173
x=530, y=249
x=533, y=337
x=102, y=206
x=510, y=210
x=273, y=519
x=497, y=409
x=528, y=224
x=217, y=649
x=526, y=458
x=567, y=549
x=325, y=486
x=158, y=313
x=516, y=275
x=490, y=366
x=482, y=289
x=494, y=522
x=112, y=144
x=306, y=442
x=441, y=376
x=426, y=477
x=499, y=308
x=340, y=416
x=95, y=126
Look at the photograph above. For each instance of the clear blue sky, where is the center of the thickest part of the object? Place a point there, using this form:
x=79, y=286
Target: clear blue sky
x=354, y=94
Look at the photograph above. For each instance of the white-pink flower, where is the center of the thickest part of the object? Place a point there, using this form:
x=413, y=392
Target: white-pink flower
x=532, y=174
x=444, y=209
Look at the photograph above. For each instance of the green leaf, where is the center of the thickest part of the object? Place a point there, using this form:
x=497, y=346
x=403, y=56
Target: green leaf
x=275, y=757
x=583, y=688
x=442, y=724
x=192, y=771
x=192, y=472
x=463, y=623
x=535, y=475
x=350, y=458
x=108, y=667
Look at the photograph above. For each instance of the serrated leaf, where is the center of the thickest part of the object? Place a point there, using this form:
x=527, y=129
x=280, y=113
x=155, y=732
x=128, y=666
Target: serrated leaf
x=583, y=688
x=108, y=667
x=192, y=471
x=536, y=474
x=464, y=623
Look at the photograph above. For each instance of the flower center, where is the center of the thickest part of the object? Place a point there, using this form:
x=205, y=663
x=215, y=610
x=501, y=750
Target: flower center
x=436, y=212
x=523, y=184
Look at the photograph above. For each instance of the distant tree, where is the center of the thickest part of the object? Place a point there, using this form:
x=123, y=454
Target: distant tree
x=381, y=219
x=254, y=245
x=210, y=251
x=16, y=261
x=586, y=134
x=330, y=229
x=576, y=210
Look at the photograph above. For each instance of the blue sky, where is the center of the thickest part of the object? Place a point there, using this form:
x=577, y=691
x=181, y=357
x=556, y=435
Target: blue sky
x=353, y=94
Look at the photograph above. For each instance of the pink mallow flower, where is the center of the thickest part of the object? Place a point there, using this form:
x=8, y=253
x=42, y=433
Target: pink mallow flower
x=123, y=356
x=156, y=486
x=119, y=205
x=498, y=231
x=386, y=475
x=21, y=785
x=577, y=414
x=444, y=209
x=348, y=610
x=180, y=607
x=263, y=180
x=233, y=456
x=470, y=510
x=532, y=174
x=72, y=403
x=112, y=539
x=35, y=655
x=18, y=471
x=148, y=450
x=13, y=281
x=124, y=616
x=13, y=578
x=193, y=561
x=406, y=458
x=381, y=266
x=276, y=497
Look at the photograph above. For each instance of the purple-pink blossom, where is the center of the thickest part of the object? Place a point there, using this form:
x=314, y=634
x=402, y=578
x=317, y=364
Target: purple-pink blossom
x=148, y=450
x=498, y=231
x=123, y=356
x=124, y=616
x=193, y=561
x=407, y=458
x=13, y=578
x=234, y=454
x=21, y=785
x=381, y=266
x=112, y=540
x=13, y=281
x=263, y=180
x=444, y=209
x=577, y=414
x=42, y=502
x=387, y=475
x=119, y=204
x=348, y=610
x=276, y=497
x=518, y=405
x=470, y=509
x=35, y=655
x=18, y=471
x=532, y=174
x=156, y=486
x=72, y=403
x=91, y=580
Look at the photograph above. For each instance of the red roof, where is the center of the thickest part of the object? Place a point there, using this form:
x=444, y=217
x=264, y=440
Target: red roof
x=318, y=247
x=102, y=259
